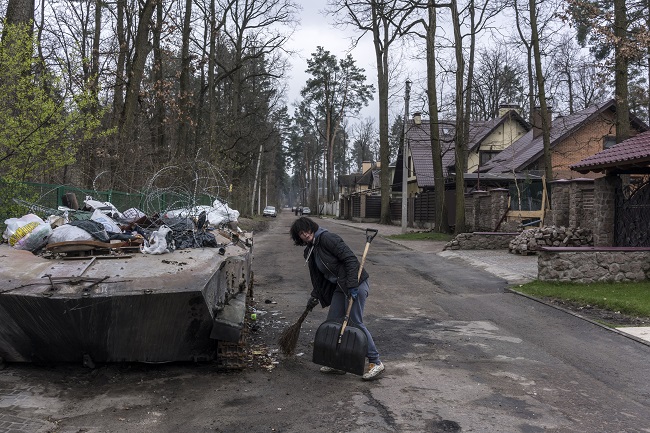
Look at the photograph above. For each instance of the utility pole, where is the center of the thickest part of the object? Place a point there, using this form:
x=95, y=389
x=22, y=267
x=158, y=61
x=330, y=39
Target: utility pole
x=405, y=165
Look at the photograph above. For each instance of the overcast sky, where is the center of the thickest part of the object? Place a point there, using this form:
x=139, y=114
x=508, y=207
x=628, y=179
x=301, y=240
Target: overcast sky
x=316, y=29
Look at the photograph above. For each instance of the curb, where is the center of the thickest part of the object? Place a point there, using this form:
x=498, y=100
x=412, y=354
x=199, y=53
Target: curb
x=614, y=330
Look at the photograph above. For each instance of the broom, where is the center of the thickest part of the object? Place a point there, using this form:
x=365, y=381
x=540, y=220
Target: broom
x=289, y=337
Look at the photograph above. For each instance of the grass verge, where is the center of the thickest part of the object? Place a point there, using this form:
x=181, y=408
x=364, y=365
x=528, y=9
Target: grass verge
x=626, y=298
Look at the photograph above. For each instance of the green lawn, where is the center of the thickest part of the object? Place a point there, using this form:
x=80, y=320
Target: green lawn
x=423, y=236
x=626, y=298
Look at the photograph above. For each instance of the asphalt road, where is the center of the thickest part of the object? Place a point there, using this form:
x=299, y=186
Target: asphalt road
x=462, y=355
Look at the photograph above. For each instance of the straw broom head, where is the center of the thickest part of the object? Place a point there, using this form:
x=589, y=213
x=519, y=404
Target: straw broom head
x=289, y=338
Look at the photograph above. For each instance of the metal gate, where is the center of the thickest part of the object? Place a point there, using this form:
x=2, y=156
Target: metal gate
x=633, y=214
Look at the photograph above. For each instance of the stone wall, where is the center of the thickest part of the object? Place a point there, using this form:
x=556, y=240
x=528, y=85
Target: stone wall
x=532, y=240
x=585, y=203
x=484, y=210
x=481, y=241
x=572, y=203
x=590, y=265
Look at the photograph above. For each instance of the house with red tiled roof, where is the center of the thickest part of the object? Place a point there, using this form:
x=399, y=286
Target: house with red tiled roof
x=632, y=154
x=621, y=204
x=573, y=138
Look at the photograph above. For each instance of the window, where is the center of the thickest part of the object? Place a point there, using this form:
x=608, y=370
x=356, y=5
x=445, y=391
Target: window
x=608, y=141
x=485, y=156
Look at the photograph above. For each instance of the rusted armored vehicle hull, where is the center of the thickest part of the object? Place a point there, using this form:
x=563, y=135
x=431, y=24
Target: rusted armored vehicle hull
x=137, y=308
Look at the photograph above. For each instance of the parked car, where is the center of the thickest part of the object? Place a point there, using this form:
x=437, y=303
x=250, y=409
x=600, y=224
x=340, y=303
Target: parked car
x=306, y=211
x=270, y=211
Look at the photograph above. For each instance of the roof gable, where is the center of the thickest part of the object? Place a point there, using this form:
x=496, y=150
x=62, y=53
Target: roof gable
x=419, y=141
x=479, y=131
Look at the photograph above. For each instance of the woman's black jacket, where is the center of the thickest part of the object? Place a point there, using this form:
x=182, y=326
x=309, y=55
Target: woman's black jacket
x=338, y=259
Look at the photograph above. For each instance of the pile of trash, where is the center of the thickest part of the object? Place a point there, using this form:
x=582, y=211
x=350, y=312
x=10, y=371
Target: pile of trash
x=102, y=222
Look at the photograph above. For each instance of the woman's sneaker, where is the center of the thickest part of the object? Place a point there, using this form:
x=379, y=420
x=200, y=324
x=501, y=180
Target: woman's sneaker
x=330, y=370
x=374, y=370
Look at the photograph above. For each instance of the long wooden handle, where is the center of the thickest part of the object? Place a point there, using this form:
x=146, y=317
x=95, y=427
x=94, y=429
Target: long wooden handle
x=345, y=320
x=370, y=235
x=363, y=260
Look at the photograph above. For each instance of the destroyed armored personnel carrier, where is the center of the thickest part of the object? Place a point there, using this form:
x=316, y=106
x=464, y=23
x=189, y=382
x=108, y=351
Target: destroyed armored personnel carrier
x=116, y=305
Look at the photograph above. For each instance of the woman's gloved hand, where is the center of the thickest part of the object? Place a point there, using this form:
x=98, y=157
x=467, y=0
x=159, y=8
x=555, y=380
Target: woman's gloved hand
x=354, y=293
x=312, y=303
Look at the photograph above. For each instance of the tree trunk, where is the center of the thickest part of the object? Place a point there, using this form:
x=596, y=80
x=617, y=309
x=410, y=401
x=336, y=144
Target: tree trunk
x=546, y=133
x=20, y=12
x=441, y=223
x=120, y=67
x=529, y=65
x=381, y=55
x=459, y=139
x=183, y=146
x=136, y=73
x=158, y=127
x=621, y=72
x=212, y=99
x=257, y=178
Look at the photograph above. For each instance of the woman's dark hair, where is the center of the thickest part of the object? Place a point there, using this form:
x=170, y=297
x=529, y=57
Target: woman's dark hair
x=302, y=224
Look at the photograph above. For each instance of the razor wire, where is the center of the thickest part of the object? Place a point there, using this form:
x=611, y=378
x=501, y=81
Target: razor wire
x=182, y=190
x=188, y=188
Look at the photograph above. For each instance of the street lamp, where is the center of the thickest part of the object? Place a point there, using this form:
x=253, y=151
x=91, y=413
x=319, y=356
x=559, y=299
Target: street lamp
x=405, y=177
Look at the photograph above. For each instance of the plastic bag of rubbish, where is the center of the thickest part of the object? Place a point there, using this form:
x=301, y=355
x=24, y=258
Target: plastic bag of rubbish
x=95, y=228
x=160, y=242
x=68, y=232
x=37, y=238
x=133, y=214
x=28, y=232
x=17, y=228
x=104, y=207
x=109, y=224
x=220, y=213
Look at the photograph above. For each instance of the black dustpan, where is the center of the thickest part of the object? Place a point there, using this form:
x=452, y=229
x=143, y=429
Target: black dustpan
x=341, y=344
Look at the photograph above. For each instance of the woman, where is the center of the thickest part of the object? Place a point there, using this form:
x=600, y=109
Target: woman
x=334, y=269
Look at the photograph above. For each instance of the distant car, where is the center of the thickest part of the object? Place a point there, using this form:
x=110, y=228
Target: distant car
x=306, y=211
x=270, y=211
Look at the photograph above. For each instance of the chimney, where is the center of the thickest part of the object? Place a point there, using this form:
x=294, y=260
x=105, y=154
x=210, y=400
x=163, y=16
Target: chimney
x=365, y=166
x=504, y=108
x=537, y=119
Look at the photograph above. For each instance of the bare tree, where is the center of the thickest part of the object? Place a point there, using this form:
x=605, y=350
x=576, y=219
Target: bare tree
x=574, y=77
x=499, y=79
x=364, y=142
x=386, y=21
x=546, y=127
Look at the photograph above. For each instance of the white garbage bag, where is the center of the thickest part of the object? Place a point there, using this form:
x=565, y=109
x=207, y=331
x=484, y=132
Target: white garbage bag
x=103, y=206
x=158, y=242
x=109, y=224
x=67, y=232
x=221, y=213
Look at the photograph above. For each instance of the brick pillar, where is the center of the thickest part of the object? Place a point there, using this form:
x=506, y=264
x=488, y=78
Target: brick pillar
x=580, y=192
x=604, y=210
x=469, y=212
x=363, y=206
x=481, y=207
x=560, y=203
x=499, y=206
